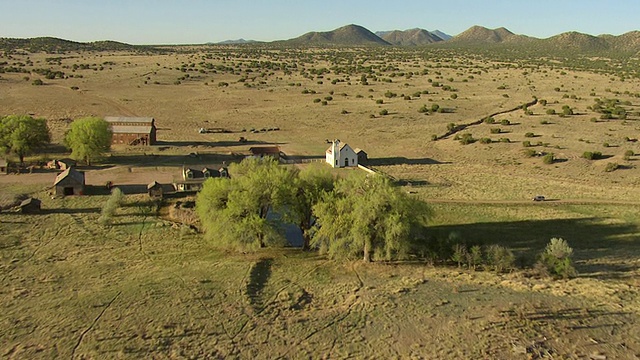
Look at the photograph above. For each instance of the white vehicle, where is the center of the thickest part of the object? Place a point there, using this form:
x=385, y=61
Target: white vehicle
x=538, y=198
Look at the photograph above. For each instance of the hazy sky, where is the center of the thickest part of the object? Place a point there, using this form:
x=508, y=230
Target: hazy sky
x=200, y=21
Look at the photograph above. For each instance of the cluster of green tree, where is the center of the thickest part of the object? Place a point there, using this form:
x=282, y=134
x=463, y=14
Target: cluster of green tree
x=22, y=135
x=358, y=216
x=611, y=108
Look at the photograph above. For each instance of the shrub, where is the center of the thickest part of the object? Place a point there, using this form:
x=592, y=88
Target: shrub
x=467, y=139
x=379, y=101
x=317, y=100
x=606, y=145
x=485, y=141
x=454, y=96
x=628, y=154
x=489, y=120
x=474, y=257
x=505, y=122
x=551, y=112
x=544, y=122
x=424, y=109
x=556, y=259
x=384, y=112
x=592, y=155
x=110, y=206
x=611, y=167
x=530, y=153
x=548, y=159
x=499, y=258
x=328, y=98
x=526, y=143
x=434, y=137
x=459, y=254
x=505, y=140
x=344, y=112
x=37, y=82
x=529, y=135
x=495, y=130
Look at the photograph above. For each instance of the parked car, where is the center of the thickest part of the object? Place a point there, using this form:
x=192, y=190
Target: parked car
x=538, y=198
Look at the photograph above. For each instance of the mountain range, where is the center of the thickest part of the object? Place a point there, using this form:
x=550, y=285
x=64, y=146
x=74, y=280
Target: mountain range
x=358, y=36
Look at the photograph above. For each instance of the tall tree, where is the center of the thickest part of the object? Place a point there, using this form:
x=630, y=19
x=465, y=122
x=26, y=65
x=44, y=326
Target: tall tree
x=367, y=216
x=22, y=134
x=89, y=138
x=240, y=212
x=313, y=183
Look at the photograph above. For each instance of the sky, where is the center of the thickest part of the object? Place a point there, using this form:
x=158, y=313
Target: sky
x=150, y=22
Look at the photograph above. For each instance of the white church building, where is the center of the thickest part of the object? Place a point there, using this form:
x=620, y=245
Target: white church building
x=340, y=155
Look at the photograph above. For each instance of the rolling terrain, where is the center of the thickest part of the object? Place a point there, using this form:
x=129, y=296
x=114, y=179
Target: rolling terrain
x=447, y=122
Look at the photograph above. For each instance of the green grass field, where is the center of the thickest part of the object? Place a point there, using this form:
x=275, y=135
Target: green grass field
x=142, y=288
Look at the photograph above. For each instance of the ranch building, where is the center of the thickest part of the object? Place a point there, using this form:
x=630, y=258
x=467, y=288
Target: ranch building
x=132, y=130
x=155, y=190
x=4, y=167
x=340, y=155
x=69, y=182
x=262, y=151
x=30, y=206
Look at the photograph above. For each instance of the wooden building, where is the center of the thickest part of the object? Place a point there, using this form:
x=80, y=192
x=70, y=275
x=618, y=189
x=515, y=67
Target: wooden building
x=193, y=179
x=132, y=130
x=363, y=157
x=262, y=151
x=4, y=167
x=155, y=190
x=69, y=182
x=30, y=206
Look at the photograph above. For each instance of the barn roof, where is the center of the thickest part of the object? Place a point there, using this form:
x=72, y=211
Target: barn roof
x=132, y=120
x=358, y=151
x=70, y=172
x=258, y=150
x=127, y=129
x=30, y=201
x=152, y=185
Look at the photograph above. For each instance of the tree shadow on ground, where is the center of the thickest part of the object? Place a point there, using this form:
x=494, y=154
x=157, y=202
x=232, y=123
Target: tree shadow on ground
x=225, y=143
x=150, y=160
x=258, y=278
x=400, y=160
x=601, y=250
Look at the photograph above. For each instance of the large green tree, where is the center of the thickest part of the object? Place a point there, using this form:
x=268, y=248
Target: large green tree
x=22, y=134
x=241, y=212
x=89, y=138
x=367, y=216
x=312, y=184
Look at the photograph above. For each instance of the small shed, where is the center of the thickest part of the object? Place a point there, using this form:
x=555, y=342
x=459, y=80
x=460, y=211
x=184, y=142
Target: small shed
x=262, y=151
x=69, y=182
x=155, y=190
x=362, y=156
x=4, y=167
x=30, y=206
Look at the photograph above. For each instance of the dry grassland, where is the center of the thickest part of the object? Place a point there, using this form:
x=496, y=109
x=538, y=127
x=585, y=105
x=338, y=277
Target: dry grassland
x=145, y=289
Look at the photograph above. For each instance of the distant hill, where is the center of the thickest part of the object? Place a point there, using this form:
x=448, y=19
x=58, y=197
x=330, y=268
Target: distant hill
x=578, y=41
x=628, y=42
x=236, y=42
x=54, y=45
x=350, y=35
x=441, y=35
x=411, y=37
x=482, y=35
